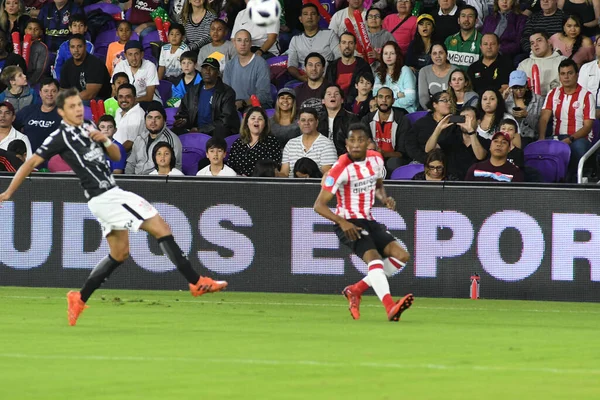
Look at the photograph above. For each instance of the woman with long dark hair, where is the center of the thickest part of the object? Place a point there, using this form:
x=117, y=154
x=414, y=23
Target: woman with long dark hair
x=435, y=168
x=392, y=73
x=588, y=12
x=491, y=110
x=572, y=43
x=418, y=54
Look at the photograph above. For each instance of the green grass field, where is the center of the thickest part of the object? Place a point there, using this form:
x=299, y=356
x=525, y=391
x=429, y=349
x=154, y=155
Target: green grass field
x=168, y=345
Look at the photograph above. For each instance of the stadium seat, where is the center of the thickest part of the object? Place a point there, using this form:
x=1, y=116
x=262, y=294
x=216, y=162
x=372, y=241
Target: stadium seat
x=406, y=172
x=165, y=90
x=270, y=112
x=171, y=111
x=57, y=164
x=278, y=69
x=105, y=38
x=273, y=93
x=229, y=140
x=194, y=150
x=415, y=116
x=110, y=9
x=549, y=157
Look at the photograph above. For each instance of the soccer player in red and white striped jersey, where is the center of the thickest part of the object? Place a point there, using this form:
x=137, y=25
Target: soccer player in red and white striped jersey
x=573, y=110
x=357, y=179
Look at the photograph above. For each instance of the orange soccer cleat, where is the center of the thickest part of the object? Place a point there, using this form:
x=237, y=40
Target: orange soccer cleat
x=75, y=306
x=401, y=305
x=353, y=301
x=207, y=285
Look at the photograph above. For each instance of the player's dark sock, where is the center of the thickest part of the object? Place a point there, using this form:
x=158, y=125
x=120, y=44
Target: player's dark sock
x=99, y=274
x=172, y=250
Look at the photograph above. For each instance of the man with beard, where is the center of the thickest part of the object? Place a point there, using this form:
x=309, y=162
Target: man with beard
x=85, y=72
x=142, y=73
x=388, y=128
x=464, y=46
x=345, y=70
x=129, y=117
x=140, y=160
x=310, y=93
x=334, y=124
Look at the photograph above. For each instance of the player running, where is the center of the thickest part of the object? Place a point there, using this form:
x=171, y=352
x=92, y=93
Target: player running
x=82, y=147
x=357, y=178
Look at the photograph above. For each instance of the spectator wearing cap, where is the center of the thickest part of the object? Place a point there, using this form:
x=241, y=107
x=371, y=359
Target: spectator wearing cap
x=140, y=161
x=142, y=73
x=418, y=54
x=524, y=105
x=248, y=75
x=209, y=107
x=402, y=25
x=345, y=70
x=85, y=72
x=492, y=69
x=129, y=118
x=7, y=132
x=284, y=123
x=497, y=168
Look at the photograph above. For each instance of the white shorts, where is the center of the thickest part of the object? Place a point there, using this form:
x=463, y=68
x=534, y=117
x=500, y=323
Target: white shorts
x=120, y=210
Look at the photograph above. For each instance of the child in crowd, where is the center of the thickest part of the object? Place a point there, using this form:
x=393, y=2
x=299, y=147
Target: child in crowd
x=18, y=93
x=108, y=126
x=216, y=151
x=189, y=77
x=38, y=55
x=116, y=50
x=361, y=105
x=515, y=155
x=111, y=105
x=78, y=25
x=219, y=48
x=169, y=66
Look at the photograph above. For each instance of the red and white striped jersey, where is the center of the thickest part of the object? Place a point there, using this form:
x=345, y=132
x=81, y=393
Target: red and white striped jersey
x=354, y=184
x=570, y=110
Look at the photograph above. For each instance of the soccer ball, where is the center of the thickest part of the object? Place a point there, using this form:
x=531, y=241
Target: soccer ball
x=264, y=12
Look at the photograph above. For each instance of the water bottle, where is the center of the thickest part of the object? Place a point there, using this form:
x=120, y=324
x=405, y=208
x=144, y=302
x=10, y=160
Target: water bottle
x=416, y=11
x=474, y=292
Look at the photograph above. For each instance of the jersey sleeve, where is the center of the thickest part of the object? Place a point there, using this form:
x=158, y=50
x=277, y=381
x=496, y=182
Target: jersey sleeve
x=335, y=179
x=54, y=144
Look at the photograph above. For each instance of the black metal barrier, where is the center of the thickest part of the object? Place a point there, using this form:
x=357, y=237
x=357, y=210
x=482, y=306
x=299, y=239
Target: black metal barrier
x=527, y=242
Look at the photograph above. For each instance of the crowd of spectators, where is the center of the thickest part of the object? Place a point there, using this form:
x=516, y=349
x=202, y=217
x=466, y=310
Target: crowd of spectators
x=468, y=67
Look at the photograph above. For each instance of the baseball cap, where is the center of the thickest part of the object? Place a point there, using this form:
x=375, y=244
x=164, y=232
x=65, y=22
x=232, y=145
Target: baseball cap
x=504, y=134
x=134, y=44
x=8, y=105
x=517, y=78
x=425, y=16
x=211, y=62
x=286, y=90
x=156, y=106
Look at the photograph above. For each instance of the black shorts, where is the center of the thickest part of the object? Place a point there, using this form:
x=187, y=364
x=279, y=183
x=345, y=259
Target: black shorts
x=376, y=237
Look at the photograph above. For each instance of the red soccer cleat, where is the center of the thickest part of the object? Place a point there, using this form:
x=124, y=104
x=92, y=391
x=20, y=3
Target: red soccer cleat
x=75, y=306
x=353, y=301
x=207, y=285
x=401, y=305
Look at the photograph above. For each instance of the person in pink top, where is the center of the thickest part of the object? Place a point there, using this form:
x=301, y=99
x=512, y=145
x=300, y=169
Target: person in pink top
x=402, y=25
x=572, y=43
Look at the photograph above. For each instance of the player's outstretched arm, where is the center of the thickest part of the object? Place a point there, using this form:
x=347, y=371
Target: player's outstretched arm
x=111, y=149
x=352, y=231
x=20, y=176
x=383, y=197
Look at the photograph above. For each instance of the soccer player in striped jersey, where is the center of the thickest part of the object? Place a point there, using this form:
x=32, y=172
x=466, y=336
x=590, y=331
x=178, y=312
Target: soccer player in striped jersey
x=356, y=179
x=83, y=148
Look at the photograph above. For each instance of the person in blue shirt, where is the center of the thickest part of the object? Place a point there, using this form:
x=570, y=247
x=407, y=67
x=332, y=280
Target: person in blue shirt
x=188, y=78
x=108, y=126
x=55, y=17
x=78, y=25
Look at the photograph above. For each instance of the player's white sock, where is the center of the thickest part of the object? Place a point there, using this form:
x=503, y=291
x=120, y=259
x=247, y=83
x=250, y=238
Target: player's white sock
x=378, y=279
x=391, y=265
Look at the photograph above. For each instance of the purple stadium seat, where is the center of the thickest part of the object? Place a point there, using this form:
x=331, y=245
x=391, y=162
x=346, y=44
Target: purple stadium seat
x=229, y=140
x=105, y=38
x=110, y=9
x=194, y=149
x=165, y=90
x=274, y=93
x=415, y=116
x=406, y=172
x=549, y=157
x=87, y=113
x=270, y=112
x=171, y=111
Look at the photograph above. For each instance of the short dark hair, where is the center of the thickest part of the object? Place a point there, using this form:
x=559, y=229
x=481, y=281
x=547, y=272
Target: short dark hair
x=568, y=63
x=329, y=85
x=107, y=118
x=509, y=121
x=348, y=34
x=189, y=55
x=160, y=145
x=216, y=142
x=36, y=21
x=120, y=75
x=78, y=18
x=125, y=22
x=65, y=94
x=315, y=54
x=306, y=5
x=127, y=86
x=359, y=126
x=18, y=147
x=375, y=9
x=366, y=75
x=435, y=98
x=491, y=34
x=469, y=7
x=220, y=21
x=78, y=36
x=542, y=32
x=264, y=168
x=307, y=166
x=309, y=110
x=177, y=26
x=49, y=81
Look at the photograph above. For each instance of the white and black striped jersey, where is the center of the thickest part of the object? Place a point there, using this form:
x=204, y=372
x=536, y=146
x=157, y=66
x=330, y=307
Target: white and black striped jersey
x=85, y=157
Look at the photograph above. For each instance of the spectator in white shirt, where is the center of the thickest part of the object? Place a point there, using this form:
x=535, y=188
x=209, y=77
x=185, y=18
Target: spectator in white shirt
x=7, y=132
x=129, y=117
x=216, y=151
x=142, y=73
x=164, y=160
